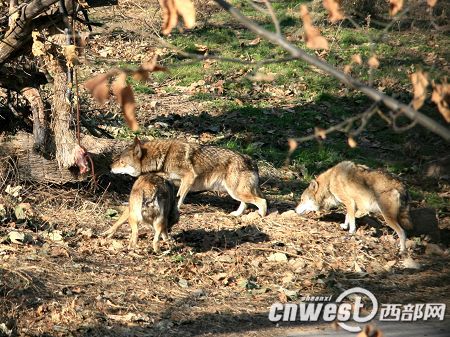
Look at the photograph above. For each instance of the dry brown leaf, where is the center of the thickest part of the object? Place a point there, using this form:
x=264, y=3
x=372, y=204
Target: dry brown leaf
x=142, y=73
x=395, y=6
x=431, y=3
x=98, y=87
x=125, y=98
x=420, y=83
x=201, y=47
x=83, y=39
x=356, y=58
x=351, y=142
x=38, y=48
x=171, y=9
x=255, y=42
x=70, y=53
x=334, y=11
x=373, y=62
x=441, y=96
x=101, y=92
x=312, y=35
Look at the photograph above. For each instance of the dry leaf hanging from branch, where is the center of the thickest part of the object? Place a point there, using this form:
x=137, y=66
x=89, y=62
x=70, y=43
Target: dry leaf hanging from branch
x=38, y=48
x=99, y=87
x=312, y=35
x=292, y=143
x=320, y=133
x=373, y=62
x=125, y=98
x=420, y=83
x=334, y=11
x=70, y=53
x=441, y=96
x=351, y=142
x=395, y=6
x=356, y=58
x=143, y=72
x=171, y=9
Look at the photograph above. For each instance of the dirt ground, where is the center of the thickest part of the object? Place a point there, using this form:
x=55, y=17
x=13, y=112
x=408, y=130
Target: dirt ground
x=223, y=273
x=219, y=279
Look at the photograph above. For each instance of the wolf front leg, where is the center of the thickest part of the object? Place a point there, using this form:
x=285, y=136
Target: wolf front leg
x=240, y=210
x=186, y=183
x=160, y=228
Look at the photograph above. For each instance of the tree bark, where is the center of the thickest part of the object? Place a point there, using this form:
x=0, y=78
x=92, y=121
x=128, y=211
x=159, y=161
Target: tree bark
x=40, y=127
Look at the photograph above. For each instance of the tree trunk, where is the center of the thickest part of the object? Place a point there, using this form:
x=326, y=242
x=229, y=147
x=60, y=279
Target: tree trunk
x=31, y=166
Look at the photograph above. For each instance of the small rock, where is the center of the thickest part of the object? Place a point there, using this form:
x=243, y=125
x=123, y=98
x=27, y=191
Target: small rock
x=298, y=265
x=251, y=216
x=409, y=263
x=198, y=293
x=388, y=266
x=183, y=283
x=278, y=257
x=289, y=214
x=16, y=237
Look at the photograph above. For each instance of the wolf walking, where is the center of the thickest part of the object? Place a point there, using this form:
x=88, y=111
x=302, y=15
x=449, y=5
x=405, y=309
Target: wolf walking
x=196, y=168
x=362, y=191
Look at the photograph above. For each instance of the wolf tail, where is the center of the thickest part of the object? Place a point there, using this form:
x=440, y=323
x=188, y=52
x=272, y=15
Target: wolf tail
x=403, y=215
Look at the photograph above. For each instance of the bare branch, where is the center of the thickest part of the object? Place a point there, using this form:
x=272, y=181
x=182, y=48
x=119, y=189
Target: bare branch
x=374, y=94
x=274, y=17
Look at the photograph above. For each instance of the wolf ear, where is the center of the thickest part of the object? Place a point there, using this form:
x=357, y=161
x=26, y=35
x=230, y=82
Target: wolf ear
x=314, y=185
x=137, y=151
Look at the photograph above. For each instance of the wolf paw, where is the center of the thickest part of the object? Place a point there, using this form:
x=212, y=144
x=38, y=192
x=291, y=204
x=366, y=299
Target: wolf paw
x=352, y=231
x=344, y=226
x=236, y=213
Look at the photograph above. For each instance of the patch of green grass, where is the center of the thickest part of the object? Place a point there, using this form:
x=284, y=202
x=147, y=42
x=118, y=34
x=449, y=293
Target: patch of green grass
x=435, y=201
x=141, y=88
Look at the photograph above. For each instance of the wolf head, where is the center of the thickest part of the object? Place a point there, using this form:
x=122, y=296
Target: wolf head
x=129, y=161
x=308, y=202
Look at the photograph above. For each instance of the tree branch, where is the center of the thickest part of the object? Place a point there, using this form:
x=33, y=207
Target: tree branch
x=374, y=94
x=19, y=34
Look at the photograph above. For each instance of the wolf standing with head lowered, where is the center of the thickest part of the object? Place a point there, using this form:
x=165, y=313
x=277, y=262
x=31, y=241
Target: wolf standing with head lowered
x=362, y=191
x=197, y=168
x=152, y=201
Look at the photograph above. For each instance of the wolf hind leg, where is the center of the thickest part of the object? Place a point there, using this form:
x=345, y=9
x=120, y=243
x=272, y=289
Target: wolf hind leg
x=245, y=195
x=160, y=228
x=346, y=222
x=113, y=229
x=350, y=220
